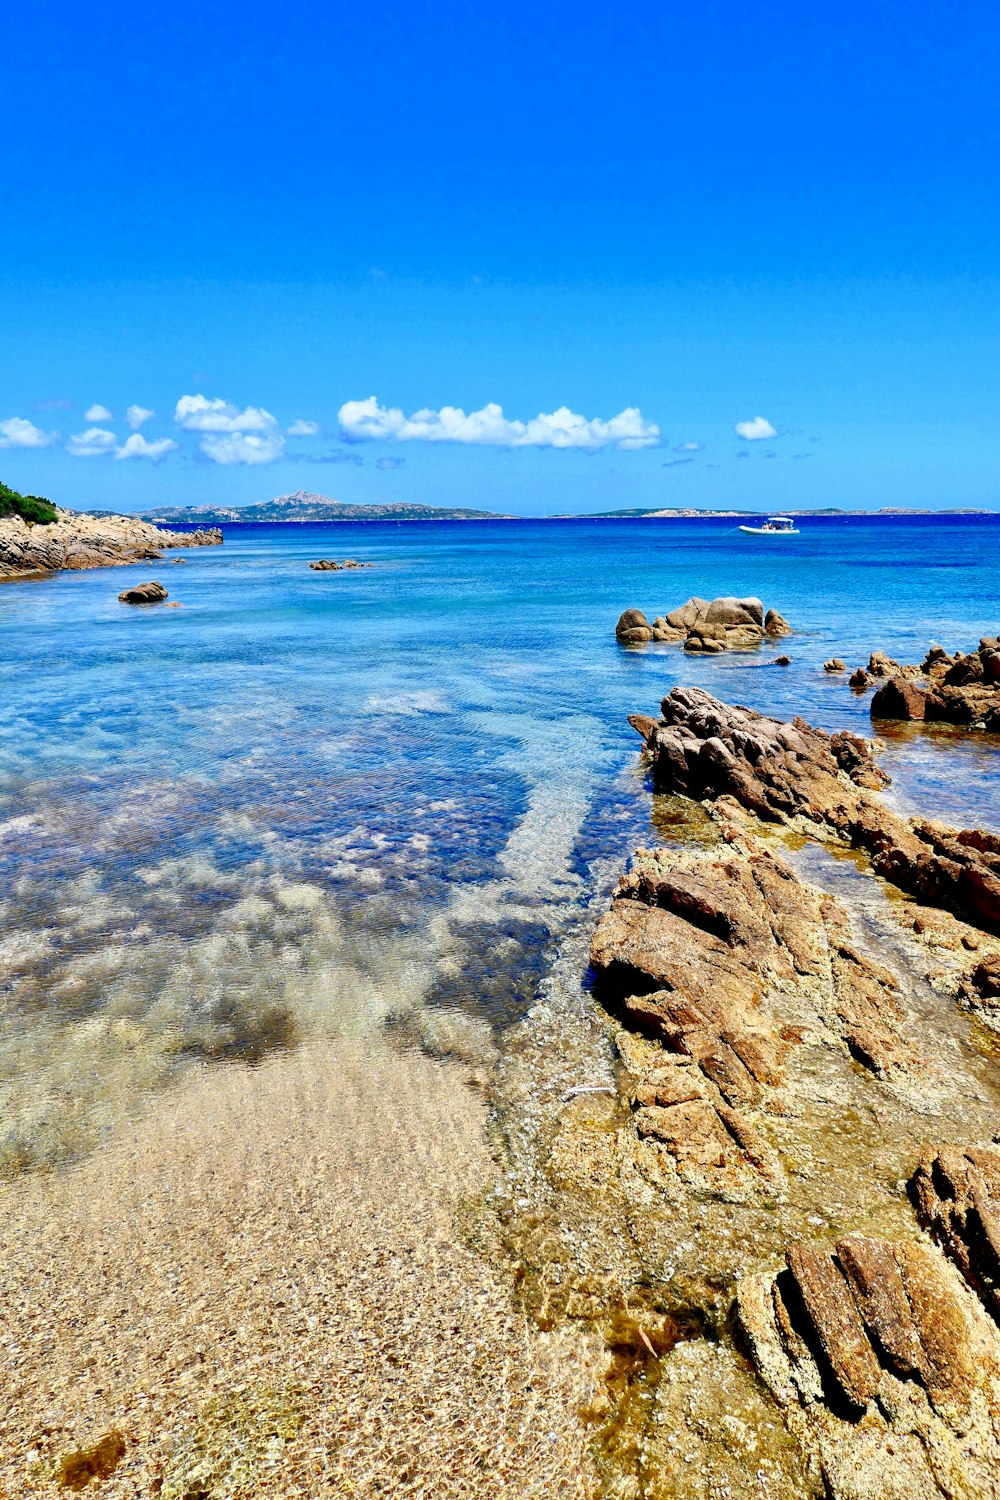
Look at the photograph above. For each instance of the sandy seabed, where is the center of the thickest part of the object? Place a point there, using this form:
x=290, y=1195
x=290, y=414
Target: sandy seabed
x=260, y=1289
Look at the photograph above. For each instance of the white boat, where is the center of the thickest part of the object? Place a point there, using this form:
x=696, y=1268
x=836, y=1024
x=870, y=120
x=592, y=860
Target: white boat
x=774, y=526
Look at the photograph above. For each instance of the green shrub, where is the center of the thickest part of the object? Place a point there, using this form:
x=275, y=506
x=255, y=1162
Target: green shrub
x=31, y=508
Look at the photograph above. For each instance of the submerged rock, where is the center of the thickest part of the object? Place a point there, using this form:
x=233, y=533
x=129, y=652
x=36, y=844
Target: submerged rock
x=144, y=593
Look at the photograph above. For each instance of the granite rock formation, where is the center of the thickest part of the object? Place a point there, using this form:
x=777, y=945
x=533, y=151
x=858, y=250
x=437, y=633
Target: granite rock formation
x=705, y=625
x=796, y=774
x=779, y=1082
x=144, y=593
x=328, y=565
x=82, y=541
x=963, y=689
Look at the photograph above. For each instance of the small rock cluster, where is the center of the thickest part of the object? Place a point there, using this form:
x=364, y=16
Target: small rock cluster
x=961, y=689
x=327, y=565
x=705, y=625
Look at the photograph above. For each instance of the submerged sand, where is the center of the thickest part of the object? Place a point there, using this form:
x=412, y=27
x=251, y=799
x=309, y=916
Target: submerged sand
x=262, y=1287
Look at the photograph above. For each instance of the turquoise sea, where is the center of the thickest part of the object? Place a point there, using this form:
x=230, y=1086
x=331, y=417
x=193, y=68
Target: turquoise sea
x=344, y=799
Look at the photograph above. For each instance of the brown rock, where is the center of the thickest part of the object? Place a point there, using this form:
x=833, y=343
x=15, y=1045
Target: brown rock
x=782, y=661
x=838, y=1327
x=775, y=624
x=708, y=749
x=834, y=665
x=873, y=1274
x=899, y=699
x=144, y=593
x=860, y=678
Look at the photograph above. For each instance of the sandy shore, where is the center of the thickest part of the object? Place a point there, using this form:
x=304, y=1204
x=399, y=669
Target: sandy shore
x=262, y=1288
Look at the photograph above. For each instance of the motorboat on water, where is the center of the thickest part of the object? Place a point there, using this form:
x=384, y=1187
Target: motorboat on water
x=773, y=526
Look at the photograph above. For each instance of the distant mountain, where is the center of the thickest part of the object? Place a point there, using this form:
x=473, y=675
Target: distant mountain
x=305, y=506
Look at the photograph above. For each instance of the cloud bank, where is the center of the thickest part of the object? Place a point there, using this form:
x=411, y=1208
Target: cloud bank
x=18, y=432
x=756, y=429
x=367, y=421
x=138, y=446
x=200, y=414
x=93, y=443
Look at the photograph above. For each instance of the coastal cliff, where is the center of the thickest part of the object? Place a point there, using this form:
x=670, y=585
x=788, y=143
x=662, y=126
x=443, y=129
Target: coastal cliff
x=81, y=541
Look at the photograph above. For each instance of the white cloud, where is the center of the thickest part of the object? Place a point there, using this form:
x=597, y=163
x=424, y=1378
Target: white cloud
x=688, y=448
x=18, y=432
x=97, y=413
x=367, y=421
x=93, y=443
x=199, y=414
x=243, y=448
x=760, y=427
x=303, y=429
x=136, y=415
x=138, y=446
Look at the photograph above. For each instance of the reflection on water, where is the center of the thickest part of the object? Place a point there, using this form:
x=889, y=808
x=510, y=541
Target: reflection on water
x=331, y=803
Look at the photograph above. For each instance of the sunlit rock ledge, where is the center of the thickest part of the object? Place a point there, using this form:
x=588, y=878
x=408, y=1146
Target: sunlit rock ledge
x=82, y=541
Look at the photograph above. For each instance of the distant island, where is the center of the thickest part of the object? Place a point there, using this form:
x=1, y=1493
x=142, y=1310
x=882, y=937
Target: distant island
x=682, y=512
x=305, y=506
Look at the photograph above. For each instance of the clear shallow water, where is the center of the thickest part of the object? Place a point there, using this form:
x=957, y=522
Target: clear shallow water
x=333, y=800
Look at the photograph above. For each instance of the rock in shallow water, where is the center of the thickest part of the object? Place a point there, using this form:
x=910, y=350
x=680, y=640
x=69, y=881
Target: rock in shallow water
x=786, y=772
x=144, y=593
x=705, y=625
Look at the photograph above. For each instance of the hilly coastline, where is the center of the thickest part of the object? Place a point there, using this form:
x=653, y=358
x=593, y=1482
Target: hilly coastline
x=304, y=505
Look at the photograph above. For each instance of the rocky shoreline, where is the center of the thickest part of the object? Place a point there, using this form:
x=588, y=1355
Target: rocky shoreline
x=816, y=1124
x=82, y=541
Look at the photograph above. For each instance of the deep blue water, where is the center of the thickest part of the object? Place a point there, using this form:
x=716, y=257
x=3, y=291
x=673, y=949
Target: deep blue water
x=324, y=798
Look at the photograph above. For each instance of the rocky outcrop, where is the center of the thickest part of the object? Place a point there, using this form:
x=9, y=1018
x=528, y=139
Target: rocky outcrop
x=778, y=1081
x=943, y=689
x=886, y=1367
x=82, y=541
x=705, y=625
x=328, y=565
x=957, y=1196
x=144, y=593
x=785, y=773
x=834, y=665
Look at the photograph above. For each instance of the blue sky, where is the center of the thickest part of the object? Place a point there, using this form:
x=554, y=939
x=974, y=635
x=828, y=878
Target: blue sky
x=633, y=229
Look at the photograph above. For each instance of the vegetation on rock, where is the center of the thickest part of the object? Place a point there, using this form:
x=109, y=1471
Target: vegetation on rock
x=31, y=508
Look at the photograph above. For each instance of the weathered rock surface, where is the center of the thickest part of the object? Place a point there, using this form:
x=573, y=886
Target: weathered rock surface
x=957, y=1196
x=328, y=565
x=792, y=772
x=82, y=541
x=834, y=665
x=777, y=1080
x=885, y=1365
x=943, y=689
x=144, y=593
x=705, y=625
